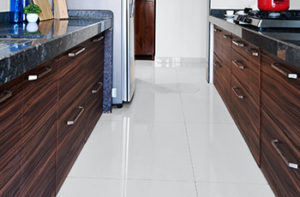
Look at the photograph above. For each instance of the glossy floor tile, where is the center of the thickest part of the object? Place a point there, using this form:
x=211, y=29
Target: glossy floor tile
x=176, y=139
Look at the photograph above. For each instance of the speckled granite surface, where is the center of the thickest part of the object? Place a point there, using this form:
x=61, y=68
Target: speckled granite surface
x=54, y=37
x=272, y=41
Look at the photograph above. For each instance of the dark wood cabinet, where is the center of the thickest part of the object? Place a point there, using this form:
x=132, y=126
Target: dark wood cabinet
x=264, y=102
x=237, y=81
x=280, y=99
x=145, y=29
x=11, y=95
x=47, y=115
x=246, y=115
x=39, y=128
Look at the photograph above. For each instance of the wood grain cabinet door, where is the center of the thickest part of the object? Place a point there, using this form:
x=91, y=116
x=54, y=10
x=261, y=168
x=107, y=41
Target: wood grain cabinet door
x=222, y=79
x=246, y=116
x=70, y=139
x=280, y=125
x=39, y=127
x=94, y=104
x=11, y=96
x=145, y=27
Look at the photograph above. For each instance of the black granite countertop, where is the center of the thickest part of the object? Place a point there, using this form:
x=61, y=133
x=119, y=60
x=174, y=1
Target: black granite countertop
x=282, y=43
x=20, y=50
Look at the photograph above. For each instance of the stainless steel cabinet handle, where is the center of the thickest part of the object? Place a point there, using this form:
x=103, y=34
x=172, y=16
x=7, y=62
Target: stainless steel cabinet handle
x=5, y=95
x=46, y=71
x=238, y=65
x=253, y=52
x=72, y=122
x=237, y=43
x=288, y=163
x=95, y=91
x=227, y=36
x=285, y=72
x=236, y=92
x=98, y=39
x=73, y=54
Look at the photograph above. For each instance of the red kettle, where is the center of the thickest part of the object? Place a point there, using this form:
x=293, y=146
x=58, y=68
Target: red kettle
x=273, y=5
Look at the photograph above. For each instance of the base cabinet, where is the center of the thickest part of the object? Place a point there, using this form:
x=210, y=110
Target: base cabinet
x=47, y=115
x=11, y=95
x=264, y=101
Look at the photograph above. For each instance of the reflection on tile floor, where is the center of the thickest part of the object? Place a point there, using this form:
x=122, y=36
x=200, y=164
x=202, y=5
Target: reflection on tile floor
x=176, y=139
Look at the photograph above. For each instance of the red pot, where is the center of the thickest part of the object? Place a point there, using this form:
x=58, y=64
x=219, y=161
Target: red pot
x=274, y=5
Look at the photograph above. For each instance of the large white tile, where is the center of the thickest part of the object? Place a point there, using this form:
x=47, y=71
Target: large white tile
x=219, y=154
x=160, y=189
x=159, y=153
x=79, y=187
x=233, y=190
x=205, y=107
x=102, y=156
x=91, y=187
x=156, y=107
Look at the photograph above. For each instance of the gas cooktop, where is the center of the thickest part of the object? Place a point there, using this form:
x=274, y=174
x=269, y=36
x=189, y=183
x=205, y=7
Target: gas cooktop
x=264, y=19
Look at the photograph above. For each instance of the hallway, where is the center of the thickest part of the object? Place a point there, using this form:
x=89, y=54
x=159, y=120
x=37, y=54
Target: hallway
x=176, y=139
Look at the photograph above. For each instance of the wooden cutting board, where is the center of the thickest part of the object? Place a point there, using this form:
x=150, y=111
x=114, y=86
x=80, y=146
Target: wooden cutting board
x=60, y=9
x=60, y=27
x=46, y=10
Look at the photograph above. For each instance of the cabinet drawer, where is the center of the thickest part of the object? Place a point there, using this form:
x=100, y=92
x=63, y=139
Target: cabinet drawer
x=222, y=79
x=96, y=63
x=245, y=114
x=94, y=105
x=280, y=159
x=280, y=97
x=223, y=45
x=70, y=137
x=11, y=95
x=246, y=49
x=247, y=74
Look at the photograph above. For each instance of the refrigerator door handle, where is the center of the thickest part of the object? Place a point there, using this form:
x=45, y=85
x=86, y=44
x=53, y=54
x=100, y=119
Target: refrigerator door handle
x=132, y=6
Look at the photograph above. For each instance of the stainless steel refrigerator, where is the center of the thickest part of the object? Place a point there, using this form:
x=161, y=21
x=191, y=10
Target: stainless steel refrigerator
x=128, y=53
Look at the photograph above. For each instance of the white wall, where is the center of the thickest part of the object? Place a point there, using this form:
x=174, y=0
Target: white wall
x=239, y=4
x=182, y=28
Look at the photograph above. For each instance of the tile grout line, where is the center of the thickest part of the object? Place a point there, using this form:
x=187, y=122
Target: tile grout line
x=187, y=138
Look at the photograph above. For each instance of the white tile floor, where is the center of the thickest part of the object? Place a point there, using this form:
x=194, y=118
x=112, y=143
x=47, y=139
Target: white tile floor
x=176, y=139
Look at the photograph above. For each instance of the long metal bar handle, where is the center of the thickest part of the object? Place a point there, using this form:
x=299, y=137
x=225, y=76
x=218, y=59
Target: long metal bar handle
x=72, y=122
x=287, y=73
x=7, y=95
x=235, y=89
x=227, y=36
x=289, y=164
x=73, y=54
x=236, y=63
x=41, y=75
x=98, y=39
x=100, y=85
x=253, y=52
x=239, y=44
